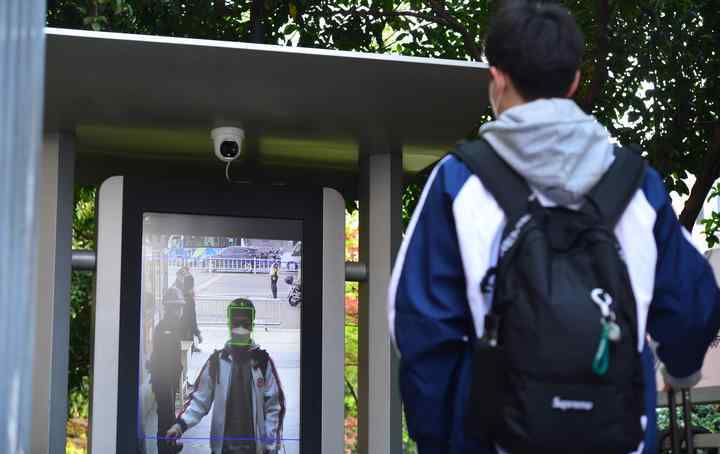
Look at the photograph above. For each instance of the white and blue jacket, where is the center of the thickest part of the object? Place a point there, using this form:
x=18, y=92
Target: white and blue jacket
x=436, y=308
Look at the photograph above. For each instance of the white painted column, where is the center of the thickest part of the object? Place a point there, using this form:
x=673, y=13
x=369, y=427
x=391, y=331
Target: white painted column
x=333, y=323
x=50, y=371
x=380, y=423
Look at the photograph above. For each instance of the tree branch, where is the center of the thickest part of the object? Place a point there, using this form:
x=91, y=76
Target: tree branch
x=257, y=20
x=704, y=182
x=602, y=47
x=447, y=19
x=440, y=16
x=376, y=13
x=352, y=391
x=218, y=14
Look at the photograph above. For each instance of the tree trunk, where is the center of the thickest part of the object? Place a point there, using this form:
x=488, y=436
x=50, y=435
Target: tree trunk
x=218, y=14
x=301, y=25
x=257, y=19
x=602, y=45
x=704, y=183
x=93, y=10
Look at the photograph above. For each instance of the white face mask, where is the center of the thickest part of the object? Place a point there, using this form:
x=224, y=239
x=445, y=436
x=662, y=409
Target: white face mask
x=240, y=332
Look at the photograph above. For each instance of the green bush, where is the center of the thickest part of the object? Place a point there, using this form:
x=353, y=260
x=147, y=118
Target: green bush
x=705, y=416
x=78, y=400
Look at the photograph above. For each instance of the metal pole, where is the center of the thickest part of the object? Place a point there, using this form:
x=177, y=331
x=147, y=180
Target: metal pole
x=379, y=412
x=674, y=432
x=356, y=272
x=687, y=416
x=22, y=63
x=85, y=261
x=52, y=301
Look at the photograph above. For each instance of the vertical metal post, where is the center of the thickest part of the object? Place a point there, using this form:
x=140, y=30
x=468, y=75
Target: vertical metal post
x=333, y=322
x=54, y=239
x=674, y=430
x=22, y=63
x=687, y=417
x=380, y=421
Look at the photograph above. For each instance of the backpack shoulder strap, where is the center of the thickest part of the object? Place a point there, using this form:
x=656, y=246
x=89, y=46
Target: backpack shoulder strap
x=507, y=186
x=612, y=194
x=261, y=359
x=214, y=366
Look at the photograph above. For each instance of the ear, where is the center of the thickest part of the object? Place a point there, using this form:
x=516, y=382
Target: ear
x=574, y=87
x=498, y=77
x=493, y=73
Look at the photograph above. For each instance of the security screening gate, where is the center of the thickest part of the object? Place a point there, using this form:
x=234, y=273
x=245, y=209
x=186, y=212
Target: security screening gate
x=144, y=294
x=144, y=107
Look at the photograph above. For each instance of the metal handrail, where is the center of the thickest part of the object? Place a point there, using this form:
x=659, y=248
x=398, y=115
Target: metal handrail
x=85, y=260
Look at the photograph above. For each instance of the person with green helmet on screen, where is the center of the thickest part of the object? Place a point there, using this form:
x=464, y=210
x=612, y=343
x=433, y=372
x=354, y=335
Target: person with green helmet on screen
x=241, y=383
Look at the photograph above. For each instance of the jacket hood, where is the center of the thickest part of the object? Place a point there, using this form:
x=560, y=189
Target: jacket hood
x=560, y=150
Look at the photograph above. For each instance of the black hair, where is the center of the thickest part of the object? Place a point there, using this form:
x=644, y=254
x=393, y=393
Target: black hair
x=539, y=46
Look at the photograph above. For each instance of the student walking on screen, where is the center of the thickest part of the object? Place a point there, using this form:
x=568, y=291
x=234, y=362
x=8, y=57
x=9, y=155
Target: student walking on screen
x=242, y=386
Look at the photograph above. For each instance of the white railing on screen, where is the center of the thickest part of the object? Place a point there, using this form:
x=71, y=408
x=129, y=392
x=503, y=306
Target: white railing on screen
x=211, y=309
x=232, y=265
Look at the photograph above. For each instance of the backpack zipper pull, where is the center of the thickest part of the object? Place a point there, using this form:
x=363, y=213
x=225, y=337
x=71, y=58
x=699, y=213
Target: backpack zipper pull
x=603, y=301
x=601, y=361
x=614, y=332
x=601, y=298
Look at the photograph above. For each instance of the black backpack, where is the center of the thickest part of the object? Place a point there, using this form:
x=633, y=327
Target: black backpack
x=557, y=369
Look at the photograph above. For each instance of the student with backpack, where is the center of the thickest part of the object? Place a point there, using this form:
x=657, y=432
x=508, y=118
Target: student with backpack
x=539, y=259
x=166, y=365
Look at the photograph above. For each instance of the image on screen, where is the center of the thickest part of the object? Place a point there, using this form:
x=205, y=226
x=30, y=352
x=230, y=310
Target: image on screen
x=220, y=335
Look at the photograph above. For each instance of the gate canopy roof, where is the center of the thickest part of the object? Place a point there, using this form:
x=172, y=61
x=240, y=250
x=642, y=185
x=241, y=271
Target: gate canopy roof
x=141, y=104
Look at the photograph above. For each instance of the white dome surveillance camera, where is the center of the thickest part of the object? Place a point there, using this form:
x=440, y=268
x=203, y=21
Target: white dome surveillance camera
x=227, y=142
